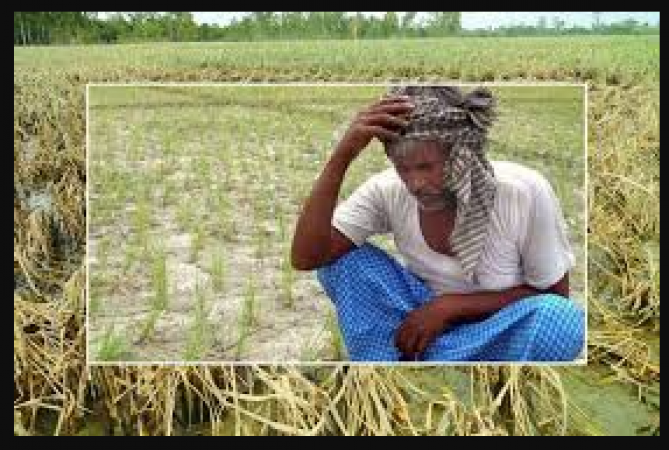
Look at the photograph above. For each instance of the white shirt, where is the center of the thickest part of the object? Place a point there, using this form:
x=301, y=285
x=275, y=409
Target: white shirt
x=527, y=241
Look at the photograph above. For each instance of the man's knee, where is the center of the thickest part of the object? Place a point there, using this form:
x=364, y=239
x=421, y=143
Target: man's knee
x=561, y=329
x=558, y=307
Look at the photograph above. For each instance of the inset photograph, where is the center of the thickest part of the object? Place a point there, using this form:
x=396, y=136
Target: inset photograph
x=323, y=223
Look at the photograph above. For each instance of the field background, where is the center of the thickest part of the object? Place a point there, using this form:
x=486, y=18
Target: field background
x=194, y=195
x=617, y=393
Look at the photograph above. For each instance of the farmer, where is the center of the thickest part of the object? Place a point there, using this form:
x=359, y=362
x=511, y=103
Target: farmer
x=486, y=256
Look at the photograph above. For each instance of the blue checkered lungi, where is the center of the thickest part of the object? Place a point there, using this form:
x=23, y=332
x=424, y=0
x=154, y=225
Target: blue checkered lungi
x=373, y=294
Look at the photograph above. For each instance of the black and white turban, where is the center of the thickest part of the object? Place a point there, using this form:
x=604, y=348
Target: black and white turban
x=459, y=122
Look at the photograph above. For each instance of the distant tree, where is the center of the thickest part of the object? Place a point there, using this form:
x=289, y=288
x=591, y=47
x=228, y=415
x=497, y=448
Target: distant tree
x=37, y=27
x=406, y=24
x=558, y=24
x=445, y=23
x=597, y=20
x=263, y=24
x=293, y=24
x=390, y=25
x=71, y=27
x=356, y=22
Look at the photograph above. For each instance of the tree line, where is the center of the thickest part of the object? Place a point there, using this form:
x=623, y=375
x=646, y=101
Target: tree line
x=44, y=28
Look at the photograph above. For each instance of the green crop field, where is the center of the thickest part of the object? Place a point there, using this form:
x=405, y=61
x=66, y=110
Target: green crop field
x=244, y=170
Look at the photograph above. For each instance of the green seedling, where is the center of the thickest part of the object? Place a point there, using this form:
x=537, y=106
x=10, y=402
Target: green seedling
x=113, y=347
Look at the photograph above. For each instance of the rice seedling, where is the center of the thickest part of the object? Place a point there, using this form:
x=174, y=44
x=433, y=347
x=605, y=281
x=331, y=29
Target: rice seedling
x=250, y=311
x=337, y=347
x=159, y=278
x=95, y=298
x=309, y=351
x=241, y=343
x=134, y=149
x=162, y=169
x=103, y=248
x=203, y=171
x=217, y=270
x=248, y=317
x=220, y=204
x=198, y=339
x=185, y=216
x=132, y=256
x=116, y=188
x=112, y=346
x=198, y=241
x=281, y=221
x=168, y=193
x=259, y=238
x=287, y=279
x=148, y=327
x=142, y=222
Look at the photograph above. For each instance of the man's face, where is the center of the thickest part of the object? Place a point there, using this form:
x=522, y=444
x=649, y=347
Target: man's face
x=422, y=171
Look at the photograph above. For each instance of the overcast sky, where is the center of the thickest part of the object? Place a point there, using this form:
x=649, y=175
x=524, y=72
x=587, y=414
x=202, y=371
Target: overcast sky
x=471, y=20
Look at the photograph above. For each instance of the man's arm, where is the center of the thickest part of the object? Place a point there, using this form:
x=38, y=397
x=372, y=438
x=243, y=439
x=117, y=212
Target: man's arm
x=475, y=306
x=315, y=241
x=314, y=233
x=424, y=324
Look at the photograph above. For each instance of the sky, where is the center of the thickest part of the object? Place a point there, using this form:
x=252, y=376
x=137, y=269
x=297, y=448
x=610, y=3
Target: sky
x=474, y=20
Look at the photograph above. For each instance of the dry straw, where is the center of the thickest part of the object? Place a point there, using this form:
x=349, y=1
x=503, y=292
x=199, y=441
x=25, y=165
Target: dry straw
x=55, y=393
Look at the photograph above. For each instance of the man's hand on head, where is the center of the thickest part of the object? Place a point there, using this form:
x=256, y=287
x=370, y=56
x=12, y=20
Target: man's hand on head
x=382, y=120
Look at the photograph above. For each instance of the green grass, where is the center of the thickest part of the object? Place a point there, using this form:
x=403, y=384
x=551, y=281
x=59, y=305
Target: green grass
x=248, y=318
x=601, y=57
x=148, y=327
x=159, y=279
x=217, y=269
x=184, y=213
x=250, y=313
x=132, y=255
x=198, y=241
x=259, y=238
x=169, y=195
x=203, y=170
x=112, y=346
x=142, y=222
x=97, y=291
x=198, y=339
x=221, y=206
x=288, y=277
x=337, y=346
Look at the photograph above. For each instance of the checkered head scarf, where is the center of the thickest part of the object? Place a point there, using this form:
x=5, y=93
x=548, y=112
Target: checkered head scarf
x=460, y=123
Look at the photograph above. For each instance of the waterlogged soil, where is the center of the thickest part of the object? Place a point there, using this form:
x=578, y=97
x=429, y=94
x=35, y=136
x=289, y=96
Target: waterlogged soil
x=596, y=405
x=597, y=402
x=609, y=407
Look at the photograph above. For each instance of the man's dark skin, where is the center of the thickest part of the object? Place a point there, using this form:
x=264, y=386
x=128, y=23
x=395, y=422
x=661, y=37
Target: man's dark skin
x=317, y=243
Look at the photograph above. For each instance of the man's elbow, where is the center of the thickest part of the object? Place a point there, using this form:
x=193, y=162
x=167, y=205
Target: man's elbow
x=302, y=265
x=560, y=288
x=303, y=262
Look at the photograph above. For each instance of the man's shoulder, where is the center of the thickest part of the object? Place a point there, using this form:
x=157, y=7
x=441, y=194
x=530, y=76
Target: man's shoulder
x=387, y=180
x=517, y=184
x=513, y=176
x=387, y=186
